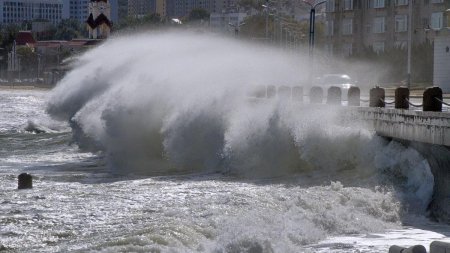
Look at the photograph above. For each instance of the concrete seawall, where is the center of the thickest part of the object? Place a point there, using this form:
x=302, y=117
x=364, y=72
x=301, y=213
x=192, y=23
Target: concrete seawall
x=428, y=133
x=426, y=127
x=439, y=159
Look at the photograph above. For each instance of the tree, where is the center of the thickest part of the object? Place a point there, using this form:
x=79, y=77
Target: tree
x=198, y=14
x=251, y=4
x=69, y=29
x=28, y=60
x=151, y=20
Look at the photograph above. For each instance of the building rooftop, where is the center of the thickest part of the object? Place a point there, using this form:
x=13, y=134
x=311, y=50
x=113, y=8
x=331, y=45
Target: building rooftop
x=24, y=38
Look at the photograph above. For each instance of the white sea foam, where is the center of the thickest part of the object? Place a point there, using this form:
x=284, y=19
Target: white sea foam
x=74, y=208
x=178, y=102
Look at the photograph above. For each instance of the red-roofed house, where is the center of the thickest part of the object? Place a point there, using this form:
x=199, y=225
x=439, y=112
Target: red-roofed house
x=25, y=38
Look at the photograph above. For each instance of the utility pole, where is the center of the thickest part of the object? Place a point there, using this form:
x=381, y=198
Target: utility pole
x=312, y=20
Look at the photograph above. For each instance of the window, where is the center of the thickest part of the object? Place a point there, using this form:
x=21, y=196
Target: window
x=378, y=3
x=348, y=4
x=401, y=44
x=401, y=23
x=436, y=20
x=401, y=2
x=330, y=6
x=379, y=25
x=378, y=47
x=347, y=26
x=330, y=27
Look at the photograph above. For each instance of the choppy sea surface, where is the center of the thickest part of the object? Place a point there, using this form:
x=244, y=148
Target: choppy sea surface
x=78, y=204
x=154, y=143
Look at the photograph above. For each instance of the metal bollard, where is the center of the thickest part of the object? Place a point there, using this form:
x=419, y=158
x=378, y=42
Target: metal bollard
x=439, y=247
x=334, y=96
x=25, y=181
x=413, y=249
x=377, y=96
x=316, y=95
x=401, y=97
x=354, y=96
x=284, y=92
x=430, y=103
x=297, y=93
x=271, y=91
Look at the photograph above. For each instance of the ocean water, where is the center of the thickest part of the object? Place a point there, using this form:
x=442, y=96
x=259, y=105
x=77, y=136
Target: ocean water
x=152, y=144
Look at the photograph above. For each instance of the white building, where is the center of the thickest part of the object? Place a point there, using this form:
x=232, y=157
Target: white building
x=17, y=11
x=76, y=9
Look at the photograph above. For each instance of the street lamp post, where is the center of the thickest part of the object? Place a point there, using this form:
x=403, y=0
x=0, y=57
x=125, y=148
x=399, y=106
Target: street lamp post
x=312, y=19
x=236, y=27
x=266, y=10
x=410, y=12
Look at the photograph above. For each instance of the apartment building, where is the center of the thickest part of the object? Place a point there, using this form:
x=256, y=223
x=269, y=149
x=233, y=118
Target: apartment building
x=76, y=9
x=141, y=8
x=17, y=11
x=79, y=10
x=182, y=8
x=352, y=25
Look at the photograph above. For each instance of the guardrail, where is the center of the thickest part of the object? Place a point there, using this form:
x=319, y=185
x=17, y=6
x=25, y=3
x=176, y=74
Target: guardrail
x=432, y=97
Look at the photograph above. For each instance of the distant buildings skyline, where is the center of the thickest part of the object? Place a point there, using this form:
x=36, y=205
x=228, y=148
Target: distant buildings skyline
x=16, y=11
x=53, y=11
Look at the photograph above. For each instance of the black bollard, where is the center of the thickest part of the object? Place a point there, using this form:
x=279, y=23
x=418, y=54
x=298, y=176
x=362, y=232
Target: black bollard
x=354, y=96
x=284, y=92
x=316, y=95
x=401, y=98
x=271, y=91
x=413, y=249
x=334, y=96
x=430, y=102
x=297, y=93
x=439, y=247
x=25, y=181
x=259, y=91
x=377, y=96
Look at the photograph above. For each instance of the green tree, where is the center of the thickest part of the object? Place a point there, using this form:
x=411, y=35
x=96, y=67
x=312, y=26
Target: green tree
x=28, y=60
x=152, y=20
x=69, y=29
x=8, y=35
x=251, y=4
x=198, y=14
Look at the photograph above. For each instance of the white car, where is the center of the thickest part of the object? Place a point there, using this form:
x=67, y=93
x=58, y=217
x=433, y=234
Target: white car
x=340, y=80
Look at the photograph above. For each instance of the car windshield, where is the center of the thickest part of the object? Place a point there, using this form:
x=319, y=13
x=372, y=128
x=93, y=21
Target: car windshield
x=336, y=79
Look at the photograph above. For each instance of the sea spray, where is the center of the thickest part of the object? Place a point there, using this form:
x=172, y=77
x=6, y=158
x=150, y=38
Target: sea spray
x=168, y=93
x=166, y=102
x=79, y=206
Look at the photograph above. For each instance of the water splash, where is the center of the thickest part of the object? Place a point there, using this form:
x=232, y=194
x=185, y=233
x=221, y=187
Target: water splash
x=171, y=102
